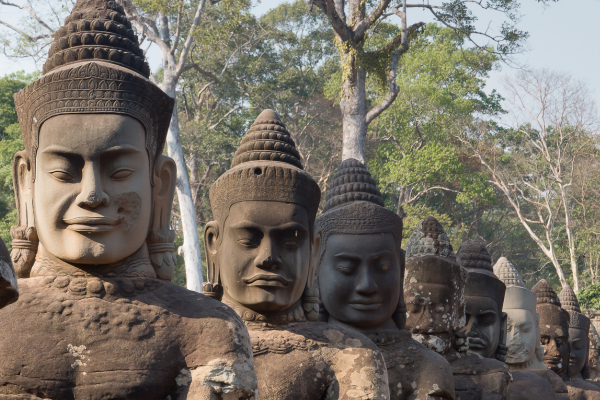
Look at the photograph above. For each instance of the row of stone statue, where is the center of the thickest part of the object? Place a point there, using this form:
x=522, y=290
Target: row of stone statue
x=295, y=307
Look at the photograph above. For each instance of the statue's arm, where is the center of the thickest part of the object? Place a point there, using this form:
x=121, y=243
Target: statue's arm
x=220, y=363
x=360, y=373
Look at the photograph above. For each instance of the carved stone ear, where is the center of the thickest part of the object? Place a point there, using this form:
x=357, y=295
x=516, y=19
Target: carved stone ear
x=315, y=256
x=161, y=237
x=212, y=288
x=24, y=235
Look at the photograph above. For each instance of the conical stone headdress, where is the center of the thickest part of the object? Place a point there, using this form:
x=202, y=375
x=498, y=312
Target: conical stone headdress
x=354, y=205
x=429, y=237
x=482, y=282
x=545, y=293
x=431, y=267
x=569, y=302
x=517, y=295
x=507, y=273
x=95, y=66
x=548, y=306
x=266, y=167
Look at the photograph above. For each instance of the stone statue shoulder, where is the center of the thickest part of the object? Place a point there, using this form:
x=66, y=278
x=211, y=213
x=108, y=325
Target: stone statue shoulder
x=414, y=371
x=76, y=322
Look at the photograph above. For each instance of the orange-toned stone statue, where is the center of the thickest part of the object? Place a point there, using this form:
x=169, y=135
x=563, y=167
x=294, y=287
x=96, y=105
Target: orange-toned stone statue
x=97, y=317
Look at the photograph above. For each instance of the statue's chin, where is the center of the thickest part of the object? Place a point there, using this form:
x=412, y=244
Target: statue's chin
x=93, y=249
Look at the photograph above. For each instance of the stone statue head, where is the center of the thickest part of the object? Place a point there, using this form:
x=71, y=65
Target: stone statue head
x=523, y=329
x=360, y=268
x=9, y=291
x=434, y=286
x=92, y=185
x=554, y=328
x=259, y=244
x=594, y=353
x=484, y=295
x=579, y=329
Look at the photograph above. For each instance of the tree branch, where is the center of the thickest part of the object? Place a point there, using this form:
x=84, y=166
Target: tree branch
x=190, y=38
x=339, y=26
x=362, y=27
x=20, y=32
x=32, y=12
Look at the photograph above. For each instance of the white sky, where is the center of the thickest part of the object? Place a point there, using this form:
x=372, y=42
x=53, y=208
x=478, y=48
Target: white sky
x=563, y=37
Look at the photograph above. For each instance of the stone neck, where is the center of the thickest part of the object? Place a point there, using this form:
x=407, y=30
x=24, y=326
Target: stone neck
x=294, y=313
x=576, y=377
x=388, y=337
x=532, y=363
x=137, y=265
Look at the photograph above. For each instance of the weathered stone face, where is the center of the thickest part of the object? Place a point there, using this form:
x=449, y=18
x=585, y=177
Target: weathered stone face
x=266, y=251
x=578, y=341
x=521, y=336
x=484, y=325
x=360, y=280
x=95, y=205
x=554, y=338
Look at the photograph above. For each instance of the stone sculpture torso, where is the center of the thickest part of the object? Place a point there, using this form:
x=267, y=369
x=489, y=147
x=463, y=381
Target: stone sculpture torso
x=314, y=360
x=116, y=338
x=414, y=371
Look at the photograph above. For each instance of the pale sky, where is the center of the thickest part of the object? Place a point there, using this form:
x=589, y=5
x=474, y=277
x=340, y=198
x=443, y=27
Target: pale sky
x=563, y=37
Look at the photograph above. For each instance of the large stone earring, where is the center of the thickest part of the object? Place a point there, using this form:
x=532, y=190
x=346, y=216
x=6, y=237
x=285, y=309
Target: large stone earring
x=501, y=352
x=24, y=248
x=212, y=290
x=162, y=252
x=310, y=303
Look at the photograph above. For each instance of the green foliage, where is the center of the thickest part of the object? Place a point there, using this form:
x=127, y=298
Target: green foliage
x=10, y=143
x=589, y=297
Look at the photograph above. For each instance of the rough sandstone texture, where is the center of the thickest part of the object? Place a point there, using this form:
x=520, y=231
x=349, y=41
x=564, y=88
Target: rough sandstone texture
x=134, y=338
x=9, y=291
x=435, y=294
x=265, y=191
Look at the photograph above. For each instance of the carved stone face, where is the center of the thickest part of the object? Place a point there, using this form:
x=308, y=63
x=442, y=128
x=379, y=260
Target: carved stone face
x=484, y=325
x=521, y=336
x=555, y=341
x=594, y=354
x=429, y=308
x=264, y=257
x=360, y=279
x=578, y=341
x=92, y=194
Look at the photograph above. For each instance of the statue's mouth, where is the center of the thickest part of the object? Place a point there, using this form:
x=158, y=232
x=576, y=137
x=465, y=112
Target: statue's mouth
x=92, y=224
x=366, y=304
x=271, y=280
x=477, y=343
x=555, y=361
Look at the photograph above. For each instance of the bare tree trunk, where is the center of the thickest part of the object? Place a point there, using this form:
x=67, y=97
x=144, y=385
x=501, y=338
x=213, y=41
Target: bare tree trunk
x=190, y=250
x=571, y=240
x=354, y=113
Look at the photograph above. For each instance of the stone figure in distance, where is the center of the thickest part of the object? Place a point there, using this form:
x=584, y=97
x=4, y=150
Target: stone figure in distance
x=579, y=329
x=484, y=296
x=434, y=291
x=360, y=273
x=525, y=356
x=261, y=260
x=97, y=317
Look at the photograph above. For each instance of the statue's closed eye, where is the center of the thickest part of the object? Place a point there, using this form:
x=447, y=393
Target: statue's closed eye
x=62, y=175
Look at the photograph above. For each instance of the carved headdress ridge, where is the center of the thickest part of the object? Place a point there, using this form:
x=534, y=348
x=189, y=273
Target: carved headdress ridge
x=508, y=273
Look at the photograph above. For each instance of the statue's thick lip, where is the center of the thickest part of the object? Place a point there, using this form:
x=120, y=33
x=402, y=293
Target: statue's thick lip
x=477, y=343
x=366, y=304
x=266, y=280
x=91, y=223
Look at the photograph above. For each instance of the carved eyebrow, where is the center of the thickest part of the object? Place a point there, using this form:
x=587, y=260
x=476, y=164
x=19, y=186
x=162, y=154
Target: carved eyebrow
x=122, y=149
x=252, y=225
x=488, y=312
x=65, y=151
x=373, y=256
